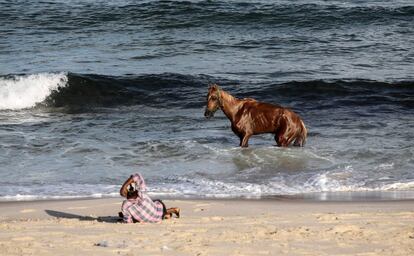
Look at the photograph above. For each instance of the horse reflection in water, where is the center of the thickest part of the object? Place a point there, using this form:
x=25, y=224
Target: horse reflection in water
x=249, y=117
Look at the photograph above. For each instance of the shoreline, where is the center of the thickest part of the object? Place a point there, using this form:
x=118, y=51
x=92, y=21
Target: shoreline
x=348, y=196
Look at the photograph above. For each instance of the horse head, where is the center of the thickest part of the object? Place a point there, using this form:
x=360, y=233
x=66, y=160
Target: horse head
x=213, y=100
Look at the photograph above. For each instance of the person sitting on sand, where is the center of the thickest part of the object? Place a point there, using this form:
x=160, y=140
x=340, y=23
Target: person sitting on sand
x=139, y=207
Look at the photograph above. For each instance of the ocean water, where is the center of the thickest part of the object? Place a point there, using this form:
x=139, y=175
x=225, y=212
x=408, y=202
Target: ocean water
x=92, y=91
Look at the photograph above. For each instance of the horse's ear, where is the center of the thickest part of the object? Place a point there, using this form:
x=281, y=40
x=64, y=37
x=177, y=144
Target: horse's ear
x=212, y=86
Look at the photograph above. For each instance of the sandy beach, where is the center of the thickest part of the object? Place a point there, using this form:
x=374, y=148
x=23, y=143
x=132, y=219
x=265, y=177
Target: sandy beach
x=210, y=227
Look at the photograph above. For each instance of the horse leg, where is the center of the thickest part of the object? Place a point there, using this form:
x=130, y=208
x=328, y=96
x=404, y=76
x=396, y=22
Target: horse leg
x=289, y=140
x=284, y=137
x=298, y=142
x=301, y=136
x=280, y=135
x=281, y=141
x=238, y=133
x=277, y=140
x=245, y=141
x=241, y=138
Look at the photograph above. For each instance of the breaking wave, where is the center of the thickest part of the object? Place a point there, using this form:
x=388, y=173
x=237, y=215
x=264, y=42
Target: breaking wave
x=19, y=92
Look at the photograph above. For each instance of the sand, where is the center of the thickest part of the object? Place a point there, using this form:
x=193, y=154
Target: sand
x=210, y=227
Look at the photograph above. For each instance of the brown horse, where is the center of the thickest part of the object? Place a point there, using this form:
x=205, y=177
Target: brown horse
x=249, y=117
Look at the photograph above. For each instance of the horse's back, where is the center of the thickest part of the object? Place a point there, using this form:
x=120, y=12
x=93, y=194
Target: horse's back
x=263, y=117
x=259, y=108
x=253, y=104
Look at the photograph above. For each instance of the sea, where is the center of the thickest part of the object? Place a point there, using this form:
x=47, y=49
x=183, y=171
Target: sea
x=92, y=91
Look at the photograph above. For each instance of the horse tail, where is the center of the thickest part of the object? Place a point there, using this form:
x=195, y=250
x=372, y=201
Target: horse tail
x=301, y=138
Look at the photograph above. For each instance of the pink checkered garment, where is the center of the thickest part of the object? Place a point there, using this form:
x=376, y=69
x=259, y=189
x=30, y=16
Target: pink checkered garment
x=141, y=209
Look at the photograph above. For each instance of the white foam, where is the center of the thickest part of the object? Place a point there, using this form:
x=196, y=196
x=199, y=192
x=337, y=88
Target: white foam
x=386, y=166
x=324, y=182
x=409, y=185
x=203, y=187
x=20, y=92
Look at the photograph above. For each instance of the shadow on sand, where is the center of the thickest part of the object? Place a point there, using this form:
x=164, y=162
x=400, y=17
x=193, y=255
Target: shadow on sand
x=65, y=215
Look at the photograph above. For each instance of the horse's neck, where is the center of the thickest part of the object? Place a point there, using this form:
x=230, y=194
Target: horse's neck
x=230, y=105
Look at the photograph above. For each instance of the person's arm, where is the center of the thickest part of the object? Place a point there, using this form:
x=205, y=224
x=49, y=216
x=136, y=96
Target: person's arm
x=124, y=189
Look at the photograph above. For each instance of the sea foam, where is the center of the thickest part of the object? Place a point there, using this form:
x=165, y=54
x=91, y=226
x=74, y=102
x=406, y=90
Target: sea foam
x=20, y=92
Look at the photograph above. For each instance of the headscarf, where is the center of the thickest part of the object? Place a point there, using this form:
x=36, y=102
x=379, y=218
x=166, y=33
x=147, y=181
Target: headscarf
x=139, y=184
